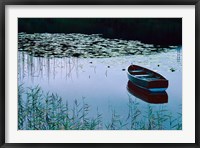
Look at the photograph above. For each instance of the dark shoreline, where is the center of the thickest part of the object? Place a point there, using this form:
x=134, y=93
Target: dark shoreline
x=160, y=31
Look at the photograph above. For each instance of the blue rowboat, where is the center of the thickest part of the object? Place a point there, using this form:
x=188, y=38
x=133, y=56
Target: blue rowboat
x=147, y=79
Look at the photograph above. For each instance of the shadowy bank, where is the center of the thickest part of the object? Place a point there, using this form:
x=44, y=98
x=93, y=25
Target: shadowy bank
x=160, y=31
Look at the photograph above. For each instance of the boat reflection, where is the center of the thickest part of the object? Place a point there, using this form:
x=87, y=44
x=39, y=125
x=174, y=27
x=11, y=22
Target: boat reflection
x=155, y=98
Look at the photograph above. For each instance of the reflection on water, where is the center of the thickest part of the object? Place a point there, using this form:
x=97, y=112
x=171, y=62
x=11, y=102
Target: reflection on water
x=157, y=98
x=102, y=83
x=31, y=68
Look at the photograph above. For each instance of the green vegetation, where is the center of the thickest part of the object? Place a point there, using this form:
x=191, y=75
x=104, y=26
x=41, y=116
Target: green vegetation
x=153, y=119
x=47, y=112
x=40, y=111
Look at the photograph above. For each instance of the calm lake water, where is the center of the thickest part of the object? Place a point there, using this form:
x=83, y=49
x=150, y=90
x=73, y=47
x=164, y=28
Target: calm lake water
x=102, y=82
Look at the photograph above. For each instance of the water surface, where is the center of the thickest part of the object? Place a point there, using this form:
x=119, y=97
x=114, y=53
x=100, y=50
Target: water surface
x=102, y=82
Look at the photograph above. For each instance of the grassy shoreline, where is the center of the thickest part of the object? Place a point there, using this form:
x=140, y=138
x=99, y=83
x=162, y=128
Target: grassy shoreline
x=47, y=111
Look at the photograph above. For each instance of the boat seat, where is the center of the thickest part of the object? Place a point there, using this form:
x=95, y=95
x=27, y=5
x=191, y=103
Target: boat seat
x=150, y=79
x=145, y=75
x=136, y=70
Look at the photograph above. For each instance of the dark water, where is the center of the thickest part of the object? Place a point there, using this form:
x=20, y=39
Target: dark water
x=102, y=83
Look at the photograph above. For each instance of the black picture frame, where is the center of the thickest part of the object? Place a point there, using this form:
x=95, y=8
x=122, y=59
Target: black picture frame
x=4, y=3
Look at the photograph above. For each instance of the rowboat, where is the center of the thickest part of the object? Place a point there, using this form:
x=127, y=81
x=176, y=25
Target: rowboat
x=147, y=96
x=147, y=79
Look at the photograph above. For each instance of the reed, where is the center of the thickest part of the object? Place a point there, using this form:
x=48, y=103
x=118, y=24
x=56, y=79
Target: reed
x=21, y=110
x=47, y=111
x=115, y=123
x=134, y=113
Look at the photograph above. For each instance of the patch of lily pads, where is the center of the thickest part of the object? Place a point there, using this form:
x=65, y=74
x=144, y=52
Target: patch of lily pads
x=82, y=45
